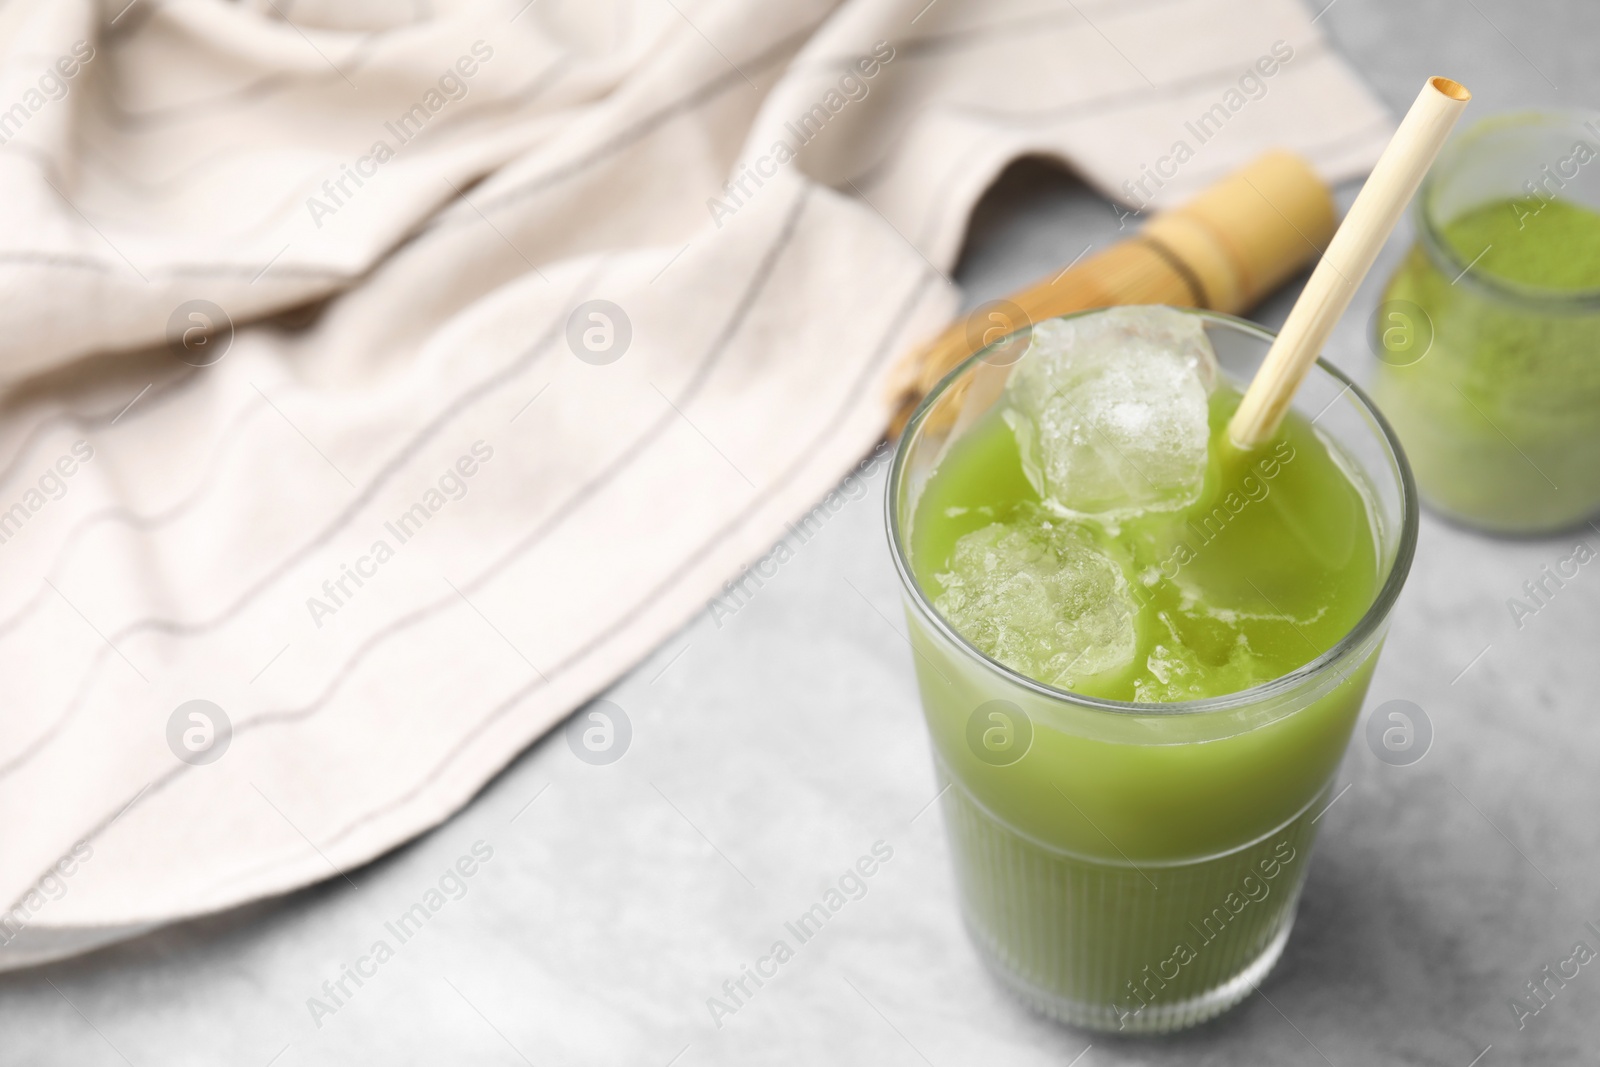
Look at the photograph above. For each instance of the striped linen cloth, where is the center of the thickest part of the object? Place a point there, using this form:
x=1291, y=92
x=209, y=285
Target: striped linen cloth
x=391, y=383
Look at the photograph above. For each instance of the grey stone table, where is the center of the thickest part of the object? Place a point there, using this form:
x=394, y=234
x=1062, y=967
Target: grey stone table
x=774, y=746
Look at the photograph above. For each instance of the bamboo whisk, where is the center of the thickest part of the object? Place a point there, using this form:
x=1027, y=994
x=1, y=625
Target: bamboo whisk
x=1223, y=250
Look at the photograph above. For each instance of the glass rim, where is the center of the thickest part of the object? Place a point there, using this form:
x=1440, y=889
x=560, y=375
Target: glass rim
x=1450, y=261
x=1374, y=617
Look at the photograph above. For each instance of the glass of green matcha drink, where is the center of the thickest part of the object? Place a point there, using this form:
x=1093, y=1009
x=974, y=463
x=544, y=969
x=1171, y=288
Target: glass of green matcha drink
x=1489, y=333
x=1141, y=653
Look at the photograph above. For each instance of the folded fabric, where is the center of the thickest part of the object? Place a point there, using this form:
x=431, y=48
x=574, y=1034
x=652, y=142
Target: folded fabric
x=376, y=391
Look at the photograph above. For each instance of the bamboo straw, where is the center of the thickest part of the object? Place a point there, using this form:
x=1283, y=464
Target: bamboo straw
x=1350, y=255
x=1224, y=250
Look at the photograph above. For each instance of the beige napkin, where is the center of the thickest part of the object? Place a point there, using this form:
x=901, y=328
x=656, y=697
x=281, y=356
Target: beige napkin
x=423, y=496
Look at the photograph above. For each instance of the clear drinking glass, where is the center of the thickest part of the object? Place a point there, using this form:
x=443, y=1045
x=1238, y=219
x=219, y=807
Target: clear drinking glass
x=1131, y=866
x=1494, y=387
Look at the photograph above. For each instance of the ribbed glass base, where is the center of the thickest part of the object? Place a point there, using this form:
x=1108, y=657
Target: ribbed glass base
x=1154, y=1019
x=1138, y=949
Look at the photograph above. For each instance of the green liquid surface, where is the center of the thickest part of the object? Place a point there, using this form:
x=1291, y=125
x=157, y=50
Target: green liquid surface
x=1267, y=570
x=1494, y=388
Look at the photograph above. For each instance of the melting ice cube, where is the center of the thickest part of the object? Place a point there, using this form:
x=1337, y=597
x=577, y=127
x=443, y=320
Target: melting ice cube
x=1109, y=410
x=1039, y=596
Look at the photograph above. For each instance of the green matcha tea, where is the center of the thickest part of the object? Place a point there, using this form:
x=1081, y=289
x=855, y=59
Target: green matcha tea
x=1121, y=865
x=1494, y=387
x=1264, y=572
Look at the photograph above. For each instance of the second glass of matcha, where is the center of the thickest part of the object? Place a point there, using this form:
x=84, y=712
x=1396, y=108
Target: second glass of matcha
x=1488, y=336
x=1141, y=653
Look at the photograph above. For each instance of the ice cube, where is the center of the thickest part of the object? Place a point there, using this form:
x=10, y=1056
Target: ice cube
x=1038, y=595
x=1110, y=413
